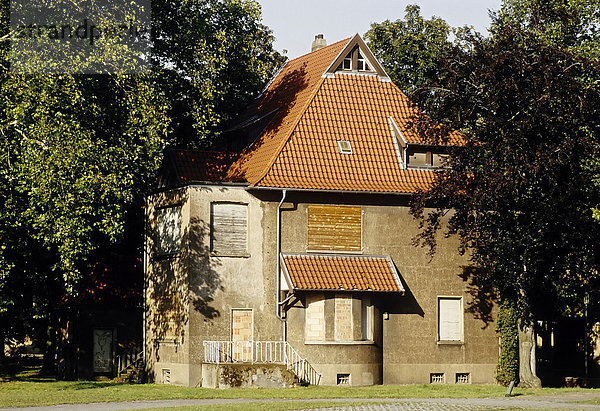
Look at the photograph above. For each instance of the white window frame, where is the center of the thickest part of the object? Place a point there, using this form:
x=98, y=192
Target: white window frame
x=461, y=323
x=345, y=146
x=361, y=60
x=367, y=318
x=348, y=59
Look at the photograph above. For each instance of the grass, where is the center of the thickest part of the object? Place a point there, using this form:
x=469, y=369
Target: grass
x=27, y=389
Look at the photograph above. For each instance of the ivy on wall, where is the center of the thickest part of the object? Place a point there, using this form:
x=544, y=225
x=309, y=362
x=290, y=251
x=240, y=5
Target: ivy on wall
x=507, y=329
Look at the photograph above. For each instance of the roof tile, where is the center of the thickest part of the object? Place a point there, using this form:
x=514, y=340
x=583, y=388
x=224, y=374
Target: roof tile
x=355, y=273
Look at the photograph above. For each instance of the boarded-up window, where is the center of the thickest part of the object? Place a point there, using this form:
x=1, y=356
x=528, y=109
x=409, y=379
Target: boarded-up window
x=343, y=317
x=450, y=318
x=168, y=230
x=315, y=318
x=229, y=229
x=335, y=228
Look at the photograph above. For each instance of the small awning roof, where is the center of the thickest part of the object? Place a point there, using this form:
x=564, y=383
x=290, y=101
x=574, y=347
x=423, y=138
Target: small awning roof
x=340, y=272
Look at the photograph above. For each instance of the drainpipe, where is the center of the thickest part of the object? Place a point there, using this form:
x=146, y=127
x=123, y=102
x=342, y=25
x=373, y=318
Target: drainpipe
x=278, y=272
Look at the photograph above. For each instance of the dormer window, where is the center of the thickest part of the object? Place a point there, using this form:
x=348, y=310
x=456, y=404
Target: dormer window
x=425, y=159
x=347, y=63
x=355, y=61
x=344, y=146
x=361, y=63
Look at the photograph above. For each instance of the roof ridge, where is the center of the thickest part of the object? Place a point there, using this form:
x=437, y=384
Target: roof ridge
x=287, y=137
x=329, y=45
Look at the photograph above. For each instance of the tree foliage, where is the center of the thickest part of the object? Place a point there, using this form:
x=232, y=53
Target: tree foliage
x=410, y=49
x=520, y=191
x=79, y=152
x=213, y=57
x=507, y=329
x=572, y=25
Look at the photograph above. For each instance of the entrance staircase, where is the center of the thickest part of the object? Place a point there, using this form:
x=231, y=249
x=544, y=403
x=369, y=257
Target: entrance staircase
x=261, y=352
x=130, y=366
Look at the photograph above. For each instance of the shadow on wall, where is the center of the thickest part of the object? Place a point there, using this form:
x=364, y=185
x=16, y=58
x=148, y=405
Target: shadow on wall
x=482, y=299
x=180, y=280
x=406, y=304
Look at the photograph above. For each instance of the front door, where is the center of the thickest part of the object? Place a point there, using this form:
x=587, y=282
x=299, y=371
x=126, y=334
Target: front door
x=103, y=351
x=241, y=334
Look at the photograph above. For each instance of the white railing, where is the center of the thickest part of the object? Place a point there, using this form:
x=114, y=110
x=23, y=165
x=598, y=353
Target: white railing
x=262, y=352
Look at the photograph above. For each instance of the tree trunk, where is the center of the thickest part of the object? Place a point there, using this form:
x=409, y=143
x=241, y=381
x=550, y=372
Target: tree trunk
x=2, y=347
x=67, y=363
x=527, y=373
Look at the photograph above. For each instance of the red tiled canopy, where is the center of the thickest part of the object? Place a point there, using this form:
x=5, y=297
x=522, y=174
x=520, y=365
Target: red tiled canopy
x=341, y=272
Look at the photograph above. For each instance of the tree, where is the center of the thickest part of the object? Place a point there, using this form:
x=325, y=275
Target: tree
x=79, y=152
x=567, y=24
x=519, y=191
x=410, y=49
x=213, y=57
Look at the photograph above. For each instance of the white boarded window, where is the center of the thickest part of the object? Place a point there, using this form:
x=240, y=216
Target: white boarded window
x=229, y=229
x=450, y=318
x=168, y=230
x=366, y=318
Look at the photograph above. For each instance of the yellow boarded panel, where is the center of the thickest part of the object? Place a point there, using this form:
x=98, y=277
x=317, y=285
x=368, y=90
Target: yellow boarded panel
x=334, y=228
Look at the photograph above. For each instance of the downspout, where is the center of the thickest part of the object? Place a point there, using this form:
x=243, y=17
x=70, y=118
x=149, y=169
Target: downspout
x=278, y=272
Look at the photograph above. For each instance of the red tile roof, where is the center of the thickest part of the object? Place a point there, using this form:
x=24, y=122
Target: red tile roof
x=291, y=91
x=341, y=272
x=199, y=166
x=312, y=110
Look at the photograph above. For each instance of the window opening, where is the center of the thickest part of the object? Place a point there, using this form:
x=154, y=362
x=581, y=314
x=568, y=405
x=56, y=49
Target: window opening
x=362, y=63
x=345, y=146
x=463, y=377
x=169, y=230
x=166, y=375
x=343, y=379
x=436, y=378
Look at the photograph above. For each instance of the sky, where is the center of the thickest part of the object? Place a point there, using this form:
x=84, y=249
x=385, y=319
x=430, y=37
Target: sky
x=296, y=22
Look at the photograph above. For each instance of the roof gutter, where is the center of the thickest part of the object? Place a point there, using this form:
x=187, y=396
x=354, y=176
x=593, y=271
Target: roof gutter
x=313, y=190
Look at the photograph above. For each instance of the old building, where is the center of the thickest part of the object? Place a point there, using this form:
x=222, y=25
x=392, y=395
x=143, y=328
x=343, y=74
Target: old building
x=292, y=246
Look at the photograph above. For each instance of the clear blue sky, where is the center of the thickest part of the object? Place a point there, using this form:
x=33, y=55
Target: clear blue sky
x=295, y=22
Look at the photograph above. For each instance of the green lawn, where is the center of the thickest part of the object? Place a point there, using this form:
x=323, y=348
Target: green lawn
x=26, y=389
x=47, y=392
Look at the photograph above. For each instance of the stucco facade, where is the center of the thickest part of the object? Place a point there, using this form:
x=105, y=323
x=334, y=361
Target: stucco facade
x=404, y=346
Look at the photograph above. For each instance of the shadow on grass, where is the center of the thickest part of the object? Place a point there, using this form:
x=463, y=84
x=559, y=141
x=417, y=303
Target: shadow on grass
x=29, y=370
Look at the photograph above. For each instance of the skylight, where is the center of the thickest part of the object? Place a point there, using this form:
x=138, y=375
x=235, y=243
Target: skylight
x=344, y=146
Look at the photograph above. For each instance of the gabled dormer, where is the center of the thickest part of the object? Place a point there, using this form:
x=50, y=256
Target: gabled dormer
x=356, y=58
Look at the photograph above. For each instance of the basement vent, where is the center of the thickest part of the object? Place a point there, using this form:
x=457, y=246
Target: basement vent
x=463, y=378
x=343, y=379
x=344, y=146
x=436, y=378
x=166, y=376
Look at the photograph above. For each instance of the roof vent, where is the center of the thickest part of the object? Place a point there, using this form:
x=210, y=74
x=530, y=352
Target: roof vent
x=344, y=146
x=318, y=43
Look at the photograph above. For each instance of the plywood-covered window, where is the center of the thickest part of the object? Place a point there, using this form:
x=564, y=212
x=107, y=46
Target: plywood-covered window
x=343, y=317
x=229, y=229
x=168, y=230
x=450, y=319
x=334, y=228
